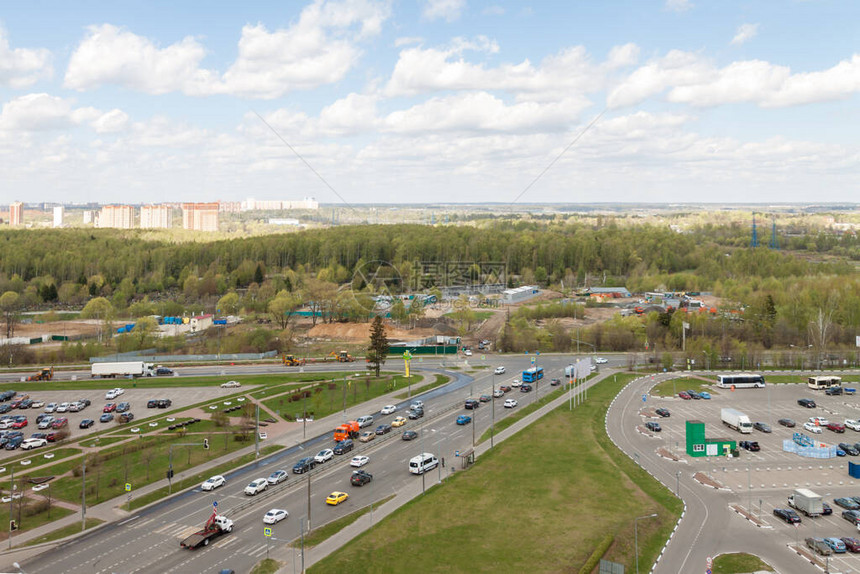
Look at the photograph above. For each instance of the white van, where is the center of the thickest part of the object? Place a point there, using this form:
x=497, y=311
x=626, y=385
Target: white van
x=364, y=421
x=422, y=463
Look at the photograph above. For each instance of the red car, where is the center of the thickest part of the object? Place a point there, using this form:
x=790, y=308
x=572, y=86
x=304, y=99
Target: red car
x=52, y=436
x=19, y=424
x=836, y=427
x=59, y=423
x=109, y=408
x=852, y=544
x=684, y=395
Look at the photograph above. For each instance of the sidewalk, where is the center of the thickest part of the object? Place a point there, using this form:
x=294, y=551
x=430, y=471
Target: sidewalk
x=316, y=553
x=110, y=510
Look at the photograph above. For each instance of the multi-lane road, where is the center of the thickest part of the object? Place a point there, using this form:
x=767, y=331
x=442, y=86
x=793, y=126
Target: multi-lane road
x=148, y=541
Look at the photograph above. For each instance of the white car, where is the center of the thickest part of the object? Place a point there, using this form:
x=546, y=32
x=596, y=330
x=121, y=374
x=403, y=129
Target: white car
x=467, y=352
x=257, y=486
x=417, y=404
x=515, y=383
x=51, y=407
x=601, y=361
x=498, y=393
x=324, y=455
x=812, y=427
x=388, y=409
x=275, y=515
x=510, y=403
x=852, y=424
x=63, y=408
x=231, y=385
x=820, y=421
x=499, y=371
x=6, y=424
x=46, y=423
x=37, y=404
x=278, y=477
x=360, y=460
x=213, y=482
x=112, y=394
x=33, y=443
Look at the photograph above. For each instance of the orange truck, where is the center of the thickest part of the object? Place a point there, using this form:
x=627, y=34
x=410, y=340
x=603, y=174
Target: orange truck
x=347, y=430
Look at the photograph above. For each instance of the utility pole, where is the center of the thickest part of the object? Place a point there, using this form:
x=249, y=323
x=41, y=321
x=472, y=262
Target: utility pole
x=11, y=504
x=84, y=495
x=309, y=511
x=257, y=432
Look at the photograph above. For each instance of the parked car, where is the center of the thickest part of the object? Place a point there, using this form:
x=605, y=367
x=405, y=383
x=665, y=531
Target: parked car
x=278, y=476
x=787, y=423
x=360, y=477
x=106, y=418
x=304, y=465
x=152, y=403
x=231, y=385
x=126, y=417
x=653, y=427
x=464, y=419
x=819, y=546
x=51, y=407
x=847, y=504
x=705, y=395
x=123, y=407
x=109, y=408
x=510, y=403
x=787, y=515
x=836, y=427
x=808, y=403
x=852, y=516
x=833, y=391
x=684, y=395
x=46, y=422
x=164, y=403
x=32, y=443
x=256, y=486
x=62, y=408
x=852, y=544
x=763, y=427
x=749, y=445
x=663, y=412
x=813, y=428
x=213, y=482
x=60, y=423
x=694, y=395
x=86, y=423
x=336, y=498
x=275, y=515
x=852, y=424
x=849, y=449
x=324, y=455
x=825, y=509
x=836, y=544
x=409, y=435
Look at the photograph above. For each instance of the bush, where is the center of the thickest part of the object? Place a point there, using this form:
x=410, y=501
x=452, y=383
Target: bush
x=598, y=553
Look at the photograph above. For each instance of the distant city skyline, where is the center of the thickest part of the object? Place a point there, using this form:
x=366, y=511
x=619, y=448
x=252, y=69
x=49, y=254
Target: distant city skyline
x=432, y=101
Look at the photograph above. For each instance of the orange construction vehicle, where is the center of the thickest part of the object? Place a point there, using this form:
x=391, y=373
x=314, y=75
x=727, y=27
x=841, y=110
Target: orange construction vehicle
x=45, y=374
x=344, y=357
x=291, y=361
x=347, y=430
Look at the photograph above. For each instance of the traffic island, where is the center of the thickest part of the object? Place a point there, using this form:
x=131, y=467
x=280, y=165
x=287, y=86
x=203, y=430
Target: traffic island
x=749, y=516
x=706, y=480
x=667, y=454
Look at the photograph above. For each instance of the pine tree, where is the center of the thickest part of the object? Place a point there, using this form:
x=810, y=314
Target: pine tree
x=378, y=349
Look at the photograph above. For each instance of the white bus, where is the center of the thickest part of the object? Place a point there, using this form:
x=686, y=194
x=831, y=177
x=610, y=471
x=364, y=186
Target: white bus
x=740, y=381
x=824, y=382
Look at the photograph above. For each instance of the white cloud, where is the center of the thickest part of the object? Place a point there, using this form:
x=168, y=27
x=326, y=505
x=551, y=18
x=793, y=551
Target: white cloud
x=694, y=80
x=22, y=67
x=494, y=10
x=623, y=56
x=320, y=48
x=407, y=40
x=36, y=112
x=678, y=5
x=745, y=32
x=113, y=121
x=449, y=10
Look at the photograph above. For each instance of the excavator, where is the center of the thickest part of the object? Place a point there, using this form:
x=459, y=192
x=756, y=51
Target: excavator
x=342, y=357
x=292, y=361
x=45, y=374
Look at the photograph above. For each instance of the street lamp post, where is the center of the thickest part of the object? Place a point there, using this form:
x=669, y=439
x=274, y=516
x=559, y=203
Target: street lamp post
x=636, y=536
x=493, y=410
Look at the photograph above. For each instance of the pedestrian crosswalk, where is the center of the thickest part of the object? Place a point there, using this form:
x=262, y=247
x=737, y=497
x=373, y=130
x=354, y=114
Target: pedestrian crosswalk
x=233, y=543
x=176, y=530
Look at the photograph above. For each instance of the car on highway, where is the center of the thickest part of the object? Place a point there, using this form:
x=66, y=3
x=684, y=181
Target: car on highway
x=653, y=427
x=256, y=486
x=849, y=448
x=819, y=546
x=852, y=424
x=231, y=385
x=359, y=460
x=749, y=445
x=472, y=404
x=852, y=544
x=499, y=371
x=846, y=503
x=510, y=403
x=836, y=545
x=663, y=412
x=763, y=427
x=163, y=371
x=787, y=423
x=464, y=419
x=275, y=515
x=525, y=388
x=86, y=423
x=388, y=409
x=555, y=382
x=213, y=482
x=852, y=516
x=106, y=418
x=498, y=393
x=811, y=427
x=32, y=443
x=787, y=515
x=836, y=427
x=505, y=388
x=415, y=414
x=304, y=465
x=367, y=436
x=324, y=455
x=360, y=477
x=343, y=446
x=485, y=398
x=515, y=383
x=416, y=404
x=808, y=403
x=467, y=352
x=277, y=477
x=383, y=429
x=109, y=408
x=336, y=498
x=684, y=395
x=364, y=421
x=601, y=360
x=398, y=422
x=409, y=435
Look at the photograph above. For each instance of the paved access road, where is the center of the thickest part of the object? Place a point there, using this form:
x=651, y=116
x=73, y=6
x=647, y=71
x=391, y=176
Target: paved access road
x=148, y=541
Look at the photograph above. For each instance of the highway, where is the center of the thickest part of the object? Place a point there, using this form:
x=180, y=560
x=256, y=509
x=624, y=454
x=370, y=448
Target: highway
x=148, y=541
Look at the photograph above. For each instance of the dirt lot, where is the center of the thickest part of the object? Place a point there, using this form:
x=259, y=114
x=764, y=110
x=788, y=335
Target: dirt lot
x=361, y=332
x=69, y=328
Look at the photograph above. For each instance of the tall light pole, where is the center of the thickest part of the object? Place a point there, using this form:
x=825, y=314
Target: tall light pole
x=636, y=536
x=493, y=410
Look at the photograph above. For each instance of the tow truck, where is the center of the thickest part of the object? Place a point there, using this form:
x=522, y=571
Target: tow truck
x=215, y=527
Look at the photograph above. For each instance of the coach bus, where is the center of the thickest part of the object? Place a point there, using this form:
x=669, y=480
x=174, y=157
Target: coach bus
x=740, y=381
x=824, y=382
x=533, y=374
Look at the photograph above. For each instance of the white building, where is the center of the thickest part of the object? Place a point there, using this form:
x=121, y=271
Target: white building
x=519, y=294
x=59, y=212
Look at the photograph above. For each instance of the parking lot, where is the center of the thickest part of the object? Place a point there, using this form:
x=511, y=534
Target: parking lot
x=763, y=480
x=181, y=397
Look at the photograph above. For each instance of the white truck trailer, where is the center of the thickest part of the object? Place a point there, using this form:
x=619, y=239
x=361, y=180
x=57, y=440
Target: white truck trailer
x=122, y=369
x=735, y=419
x=806, y=502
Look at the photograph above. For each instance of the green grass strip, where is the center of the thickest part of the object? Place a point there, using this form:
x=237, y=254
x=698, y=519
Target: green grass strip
x=64, y=531
x=739, y=563
x=328, y=530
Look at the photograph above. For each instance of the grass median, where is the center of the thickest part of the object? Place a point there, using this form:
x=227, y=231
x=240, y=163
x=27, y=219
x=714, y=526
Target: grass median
x=556, y=490
x=739, y=563
x=672, y=387
x=60, y=533
x=438, y=382
x=329, y=529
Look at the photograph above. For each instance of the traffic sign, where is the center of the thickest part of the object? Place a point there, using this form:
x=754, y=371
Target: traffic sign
x=128, y=487
x=456, y=453
x=215, y=503
x=267, y=532
x=644, y=398
x=709, y=561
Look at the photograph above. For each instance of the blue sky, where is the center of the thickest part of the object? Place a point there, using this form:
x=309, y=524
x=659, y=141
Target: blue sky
x=431, y=100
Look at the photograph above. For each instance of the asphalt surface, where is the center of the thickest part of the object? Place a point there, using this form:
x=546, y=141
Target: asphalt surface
x=148, y=541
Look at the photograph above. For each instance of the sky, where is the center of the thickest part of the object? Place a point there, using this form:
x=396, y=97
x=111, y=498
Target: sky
x=417, y=101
